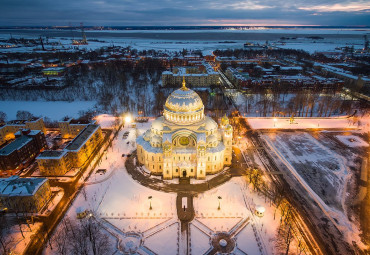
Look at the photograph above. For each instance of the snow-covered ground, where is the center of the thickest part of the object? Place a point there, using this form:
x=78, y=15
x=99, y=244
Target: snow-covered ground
x=301, y=123
x=175, y=41
x=55, y=110
x=352, y=141
x=237, y=204
x=122, y=206
x=322, y=172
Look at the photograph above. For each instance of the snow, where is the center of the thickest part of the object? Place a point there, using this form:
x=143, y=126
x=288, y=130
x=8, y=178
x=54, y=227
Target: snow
x=106, y=120
x=200, y=242
x=175, y=41
x=116, y=198
x=321, y=172
x=55, y=110
x=165, y=241
x=301, y=123
x=244, y=242
x=19, y=243
x=237, y=206
x=352, y=141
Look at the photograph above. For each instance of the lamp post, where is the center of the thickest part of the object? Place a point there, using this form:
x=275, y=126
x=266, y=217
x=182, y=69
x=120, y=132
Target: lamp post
x=219, y=202
x=150, y=202
x=128, y=119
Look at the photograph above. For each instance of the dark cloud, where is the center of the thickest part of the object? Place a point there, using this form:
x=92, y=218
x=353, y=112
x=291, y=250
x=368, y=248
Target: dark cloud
x=184, y=12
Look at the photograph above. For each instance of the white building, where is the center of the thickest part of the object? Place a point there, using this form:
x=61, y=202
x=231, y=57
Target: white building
x=184, y=142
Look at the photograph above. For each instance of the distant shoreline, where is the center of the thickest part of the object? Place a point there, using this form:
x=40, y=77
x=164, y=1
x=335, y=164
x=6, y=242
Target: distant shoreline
x=189, y=35
x=108, y=28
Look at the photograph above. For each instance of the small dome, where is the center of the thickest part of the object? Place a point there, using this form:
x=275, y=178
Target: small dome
x=157, y=124
x=212, y=139
x=224, y=120
x=147, y=135
x=156, y=139
x=210, y=124
x=229, y=127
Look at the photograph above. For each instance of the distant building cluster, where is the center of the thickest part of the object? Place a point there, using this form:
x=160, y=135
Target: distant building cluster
x=339, y=71
x=196, y=76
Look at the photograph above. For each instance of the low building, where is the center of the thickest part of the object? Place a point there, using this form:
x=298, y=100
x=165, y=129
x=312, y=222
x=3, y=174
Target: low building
x=8, y=130
x=28, y=195
x=202, y=76
x=77, y=152
x=53, y=163
x=82, y=146
x=22, y=150
x=70, y=128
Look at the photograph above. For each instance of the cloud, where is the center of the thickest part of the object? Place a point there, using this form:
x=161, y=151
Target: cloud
x=184, y=12
x=344, y=7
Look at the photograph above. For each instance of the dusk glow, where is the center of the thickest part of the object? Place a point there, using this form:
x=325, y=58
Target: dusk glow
x=164, y=12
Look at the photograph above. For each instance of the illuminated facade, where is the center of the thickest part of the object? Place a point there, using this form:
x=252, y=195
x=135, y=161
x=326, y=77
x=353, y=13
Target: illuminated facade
x=202, y=76
x=77, y=152
x=184, y=142
x=70, y=128
x=8, y=130
x=24, y=194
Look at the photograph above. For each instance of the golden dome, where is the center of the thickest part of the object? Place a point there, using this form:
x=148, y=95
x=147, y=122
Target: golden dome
x=184, y=105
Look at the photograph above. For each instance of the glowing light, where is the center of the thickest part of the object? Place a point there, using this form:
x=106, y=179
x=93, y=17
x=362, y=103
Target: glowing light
x=128, y=119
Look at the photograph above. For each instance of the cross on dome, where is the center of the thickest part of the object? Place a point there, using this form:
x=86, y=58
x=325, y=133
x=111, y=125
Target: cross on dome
x=184, y=84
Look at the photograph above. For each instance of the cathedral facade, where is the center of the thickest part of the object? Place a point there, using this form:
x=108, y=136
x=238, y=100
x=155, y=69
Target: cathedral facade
x=184, y=142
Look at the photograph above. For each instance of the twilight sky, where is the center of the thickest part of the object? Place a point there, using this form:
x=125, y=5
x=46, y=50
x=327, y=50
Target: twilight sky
x=184, y=12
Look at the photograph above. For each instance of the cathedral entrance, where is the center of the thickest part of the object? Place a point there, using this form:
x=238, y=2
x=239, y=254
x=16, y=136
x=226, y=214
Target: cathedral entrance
x=183, y=173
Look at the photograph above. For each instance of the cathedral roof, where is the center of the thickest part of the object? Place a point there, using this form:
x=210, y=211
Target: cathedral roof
x=184, y=100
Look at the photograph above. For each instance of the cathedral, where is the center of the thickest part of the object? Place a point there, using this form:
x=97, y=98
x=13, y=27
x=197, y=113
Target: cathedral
x=184, y=142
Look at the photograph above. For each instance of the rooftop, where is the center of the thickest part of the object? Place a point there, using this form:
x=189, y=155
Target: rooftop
x=51, y=154
x=21, y=122
x=80, y=121
x=16, y=144
x=76, y=121
x=81, y=138
x=15, y=186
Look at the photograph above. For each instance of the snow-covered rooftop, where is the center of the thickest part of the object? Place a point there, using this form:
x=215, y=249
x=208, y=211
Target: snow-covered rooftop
x=15, y=186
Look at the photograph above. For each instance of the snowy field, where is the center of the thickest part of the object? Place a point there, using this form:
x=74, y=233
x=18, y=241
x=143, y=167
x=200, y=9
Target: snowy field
x=55, y=110
x=352, y=141
x=324, y=172
x=236, y=217
x=204, y=40
x=301, y=123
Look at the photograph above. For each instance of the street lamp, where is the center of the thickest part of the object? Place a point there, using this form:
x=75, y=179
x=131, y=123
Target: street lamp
x=275, y=120
x=128, y=119
x=150, y=202
x=219, y=202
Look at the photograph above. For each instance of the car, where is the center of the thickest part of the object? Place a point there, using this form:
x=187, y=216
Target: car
x=123, y=155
